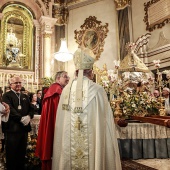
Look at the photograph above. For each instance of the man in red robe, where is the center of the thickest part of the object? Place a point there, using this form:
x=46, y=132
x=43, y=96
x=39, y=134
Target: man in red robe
x=51, y=98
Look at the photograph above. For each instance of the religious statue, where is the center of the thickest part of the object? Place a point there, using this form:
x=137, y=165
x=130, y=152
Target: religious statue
x=12, y=56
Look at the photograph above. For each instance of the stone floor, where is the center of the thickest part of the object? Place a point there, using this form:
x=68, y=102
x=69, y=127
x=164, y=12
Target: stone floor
x=159, y=164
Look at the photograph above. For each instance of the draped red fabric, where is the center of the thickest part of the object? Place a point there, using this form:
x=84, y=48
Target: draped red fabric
x=46, y=165
x=45, y=138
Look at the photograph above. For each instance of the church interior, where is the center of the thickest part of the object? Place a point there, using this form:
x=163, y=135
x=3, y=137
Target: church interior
x=39, y=38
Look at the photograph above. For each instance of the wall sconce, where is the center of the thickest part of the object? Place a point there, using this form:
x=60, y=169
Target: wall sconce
x=63, y=54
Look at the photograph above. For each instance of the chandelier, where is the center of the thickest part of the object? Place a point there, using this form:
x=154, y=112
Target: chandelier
x=12, y=39
x=63, y=54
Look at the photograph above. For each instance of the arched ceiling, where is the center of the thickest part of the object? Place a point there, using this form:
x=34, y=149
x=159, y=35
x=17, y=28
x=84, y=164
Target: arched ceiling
x=37, y=8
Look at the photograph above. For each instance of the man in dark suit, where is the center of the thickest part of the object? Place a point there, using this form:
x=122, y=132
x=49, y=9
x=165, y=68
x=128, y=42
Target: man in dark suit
x=18, y=125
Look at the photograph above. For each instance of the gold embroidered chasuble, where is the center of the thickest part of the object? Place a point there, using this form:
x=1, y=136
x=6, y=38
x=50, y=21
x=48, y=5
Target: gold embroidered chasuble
x=85, y=141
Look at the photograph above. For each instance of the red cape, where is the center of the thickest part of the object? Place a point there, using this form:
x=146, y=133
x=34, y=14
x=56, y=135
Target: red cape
x=44, y=146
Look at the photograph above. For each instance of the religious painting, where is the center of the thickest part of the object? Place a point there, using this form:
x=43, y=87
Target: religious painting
x=90, y=39
x=92, y=35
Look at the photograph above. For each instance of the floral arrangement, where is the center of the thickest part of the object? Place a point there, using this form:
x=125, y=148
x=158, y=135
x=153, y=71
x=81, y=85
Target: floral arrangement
x=130, y=93
x=108, y=84
x=139, y=104
x=31, y=159
x=110, y=81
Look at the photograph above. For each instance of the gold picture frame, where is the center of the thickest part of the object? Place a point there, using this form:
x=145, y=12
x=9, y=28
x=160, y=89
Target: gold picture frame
x=92, y=35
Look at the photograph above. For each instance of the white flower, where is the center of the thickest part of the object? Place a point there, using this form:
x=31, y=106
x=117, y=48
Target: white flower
x=117, y=63
x=29, y=147
x=133, y=105
x=110, y=72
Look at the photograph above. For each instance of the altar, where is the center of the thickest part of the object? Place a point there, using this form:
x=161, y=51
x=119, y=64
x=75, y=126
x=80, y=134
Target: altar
x=136, y=141
x=143, y=141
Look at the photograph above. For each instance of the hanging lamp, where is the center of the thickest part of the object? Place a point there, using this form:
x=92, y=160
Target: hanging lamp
x=63, y=54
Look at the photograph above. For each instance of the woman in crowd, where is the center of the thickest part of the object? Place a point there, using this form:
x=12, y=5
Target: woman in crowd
x=34, y=103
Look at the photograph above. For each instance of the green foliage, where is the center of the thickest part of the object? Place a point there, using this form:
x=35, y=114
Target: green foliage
x=47, y=81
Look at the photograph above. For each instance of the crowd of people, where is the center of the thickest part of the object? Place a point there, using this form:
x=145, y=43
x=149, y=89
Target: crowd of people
x=165, y=93
x=76, y=130
x=22, y=107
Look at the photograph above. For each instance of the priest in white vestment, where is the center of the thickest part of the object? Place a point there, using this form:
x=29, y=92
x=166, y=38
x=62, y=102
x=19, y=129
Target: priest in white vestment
x=85, y=137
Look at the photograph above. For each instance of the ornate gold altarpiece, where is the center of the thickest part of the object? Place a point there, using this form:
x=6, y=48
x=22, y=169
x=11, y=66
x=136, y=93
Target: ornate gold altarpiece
x=34, y=30
x=24, y=29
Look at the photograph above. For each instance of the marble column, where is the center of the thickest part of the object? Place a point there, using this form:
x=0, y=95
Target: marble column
x=47, y=31
x=47, y=54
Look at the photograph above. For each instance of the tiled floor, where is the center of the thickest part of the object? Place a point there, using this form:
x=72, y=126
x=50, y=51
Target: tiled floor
x=159, y=164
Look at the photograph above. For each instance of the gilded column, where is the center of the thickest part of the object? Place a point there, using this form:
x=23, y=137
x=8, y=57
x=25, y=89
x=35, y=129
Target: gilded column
x=37, y=52
x=1, y=50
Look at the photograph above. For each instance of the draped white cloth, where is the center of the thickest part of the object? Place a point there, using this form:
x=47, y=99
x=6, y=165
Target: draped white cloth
x=143, y=131
x=85, y=141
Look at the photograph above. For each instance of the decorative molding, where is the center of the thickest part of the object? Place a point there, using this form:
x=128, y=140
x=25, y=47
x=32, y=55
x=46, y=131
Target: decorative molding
x=142, y=41
x=47, y=35
x=28, y=78
x=161, y=42
x=47, y=24
x=159, y=51
x=61, y=13
x=72, y=4
x=38, y=3
x=46, y=3
x=92, y=35
x=121, y=4
x=157, y=14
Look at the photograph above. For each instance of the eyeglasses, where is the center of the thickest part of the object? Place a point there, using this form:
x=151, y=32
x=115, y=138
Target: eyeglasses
x=66, y=77
x=16, y=83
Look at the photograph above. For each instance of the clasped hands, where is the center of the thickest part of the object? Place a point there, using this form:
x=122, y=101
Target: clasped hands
x=25, y=120
x=4, y=109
